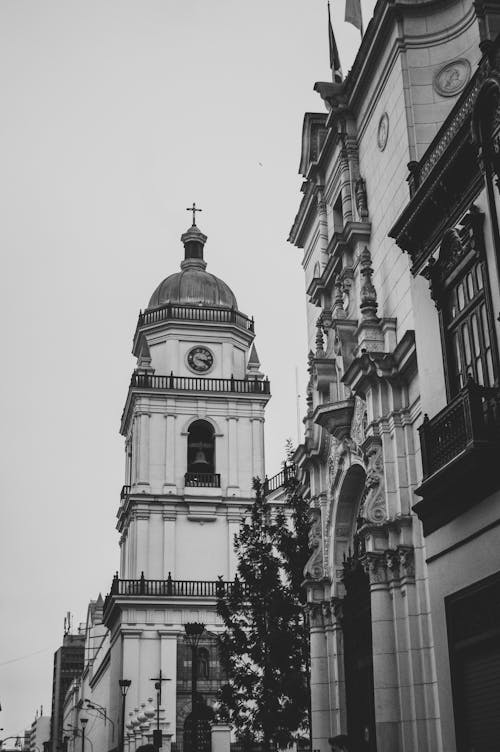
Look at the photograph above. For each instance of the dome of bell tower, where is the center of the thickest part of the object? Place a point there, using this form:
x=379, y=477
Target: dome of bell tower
x=193, y=285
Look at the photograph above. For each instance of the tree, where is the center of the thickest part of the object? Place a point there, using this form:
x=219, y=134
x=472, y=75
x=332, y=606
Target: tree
x=264, y=648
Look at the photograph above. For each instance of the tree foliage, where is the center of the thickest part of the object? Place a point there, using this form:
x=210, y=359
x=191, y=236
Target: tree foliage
x=264, y=648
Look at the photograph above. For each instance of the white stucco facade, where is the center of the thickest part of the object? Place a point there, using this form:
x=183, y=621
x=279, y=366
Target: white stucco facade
x=182, y=502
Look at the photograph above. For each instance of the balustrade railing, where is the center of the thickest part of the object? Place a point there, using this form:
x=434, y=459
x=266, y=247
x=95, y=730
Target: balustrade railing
x=202, y=480
x=199, y=384
x=472, y=418
x=174, y=588
x=278, y=480
x=196, y=313
x=125, y=492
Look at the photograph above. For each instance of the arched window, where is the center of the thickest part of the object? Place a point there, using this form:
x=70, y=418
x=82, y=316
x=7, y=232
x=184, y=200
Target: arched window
x=203, y=663
x=201, y=455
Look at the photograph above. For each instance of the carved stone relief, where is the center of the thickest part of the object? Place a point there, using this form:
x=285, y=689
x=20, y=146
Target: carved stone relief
x=373, y=507
x=452, y=78
x=358, y=421
x=314, y=566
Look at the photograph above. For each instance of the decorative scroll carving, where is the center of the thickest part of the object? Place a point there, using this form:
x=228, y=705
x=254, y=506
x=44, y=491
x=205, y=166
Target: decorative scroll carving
x=374, y=566
x=407, y=561
x=456, y=244
x=392, y=564
x=315, y=614
x=361, y=199
x=314, y=566
x=359, y=421
x=373, y=508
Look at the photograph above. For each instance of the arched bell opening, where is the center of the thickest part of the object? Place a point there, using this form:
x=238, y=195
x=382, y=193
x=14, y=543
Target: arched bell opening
x=201, y=455
x=356, y=613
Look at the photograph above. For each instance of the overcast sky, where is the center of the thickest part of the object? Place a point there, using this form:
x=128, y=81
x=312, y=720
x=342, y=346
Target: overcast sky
x=116, y=115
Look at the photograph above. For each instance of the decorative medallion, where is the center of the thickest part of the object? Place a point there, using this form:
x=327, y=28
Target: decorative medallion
x=200, y=359
x=452, y=78
x=383, y=131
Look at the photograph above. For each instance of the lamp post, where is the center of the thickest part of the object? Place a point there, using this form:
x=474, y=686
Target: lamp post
x=84, y=722
x=194, y=631
x=124, y=686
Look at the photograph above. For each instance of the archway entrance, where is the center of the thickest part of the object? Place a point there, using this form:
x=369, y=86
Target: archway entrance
x=358, y=656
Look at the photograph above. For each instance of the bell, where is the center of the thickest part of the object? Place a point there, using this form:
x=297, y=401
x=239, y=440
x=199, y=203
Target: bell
x=200, y=458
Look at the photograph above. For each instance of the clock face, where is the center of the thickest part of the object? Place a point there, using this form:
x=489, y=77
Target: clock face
x=200, y=359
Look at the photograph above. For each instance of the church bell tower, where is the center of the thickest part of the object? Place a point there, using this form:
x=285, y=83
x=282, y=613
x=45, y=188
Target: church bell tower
x=193, y=424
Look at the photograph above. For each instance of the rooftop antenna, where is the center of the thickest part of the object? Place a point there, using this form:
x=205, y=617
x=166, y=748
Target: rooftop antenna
x=67, y=623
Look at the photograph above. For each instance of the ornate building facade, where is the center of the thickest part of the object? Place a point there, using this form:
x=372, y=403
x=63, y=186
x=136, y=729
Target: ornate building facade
x=405, y=509
x=193, y=425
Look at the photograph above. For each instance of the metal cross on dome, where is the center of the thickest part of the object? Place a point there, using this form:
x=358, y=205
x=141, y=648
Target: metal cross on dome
x=194, y=210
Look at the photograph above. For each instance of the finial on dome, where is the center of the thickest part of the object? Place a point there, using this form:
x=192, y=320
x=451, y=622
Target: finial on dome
x=193, y=240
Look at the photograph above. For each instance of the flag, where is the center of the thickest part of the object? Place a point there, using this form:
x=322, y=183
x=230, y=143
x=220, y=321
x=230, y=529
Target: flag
x=353, y=14
x=335, y=66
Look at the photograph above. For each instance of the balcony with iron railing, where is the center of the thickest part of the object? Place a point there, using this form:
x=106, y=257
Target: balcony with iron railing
x=202, y=480
x=210, y=314
x=280, y=479
x=460, y=451
x=171, y=588
x=199, y=384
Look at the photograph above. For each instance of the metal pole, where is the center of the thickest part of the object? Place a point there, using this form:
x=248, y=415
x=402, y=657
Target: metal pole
x=122, y=735
x=194, y=709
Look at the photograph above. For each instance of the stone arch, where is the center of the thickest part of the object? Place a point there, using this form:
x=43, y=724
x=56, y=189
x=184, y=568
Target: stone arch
x=345, y=513
x=207, y=418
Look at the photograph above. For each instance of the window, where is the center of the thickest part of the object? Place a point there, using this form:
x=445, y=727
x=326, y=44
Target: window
x=459, y=283
x=203, y=663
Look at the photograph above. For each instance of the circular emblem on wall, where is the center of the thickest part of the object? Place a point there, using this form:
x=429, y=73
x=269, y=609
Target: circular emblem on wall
x=452, y=77
x=383, y=131
x=200, y=359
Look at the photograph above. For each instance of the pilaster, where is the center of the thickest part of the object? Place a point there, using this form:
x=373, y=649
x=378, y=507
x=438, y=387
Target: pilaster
x=169, y=484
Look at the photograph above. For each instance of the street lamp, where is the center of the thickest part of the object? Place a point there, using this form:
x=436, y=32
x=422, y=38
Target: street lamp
x=84, y=722
x=194, y=631
x=124, y=686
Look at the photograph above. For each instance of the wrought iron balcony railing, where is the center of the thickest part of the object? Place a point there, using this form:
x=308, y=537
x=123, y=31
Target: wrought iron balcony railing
x=202, y=480
x=199, y=384
x=196, y=313
x=471, y=419
x=125, y=492
x=173, y=588
x=278, y=480
x=460, y=451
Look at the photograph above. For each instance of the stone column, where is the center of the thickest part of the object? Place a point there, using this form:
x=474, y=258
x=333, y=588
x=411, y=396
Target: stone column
x=168, y=665
x=323, y=227
x=232, y=462
x=169, y=483
x=385, y=675
x=335, y=640
x=257, y=453
x=143, y=477
x=142, y=525
x=221, y=737
x=345, y=185
x=320, y=711
x=233, y=526
x=169, y=519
